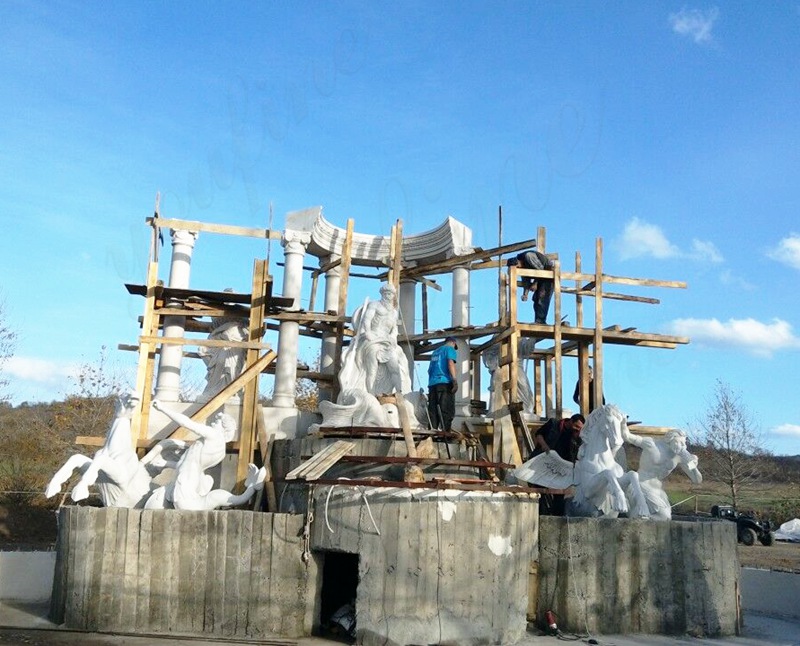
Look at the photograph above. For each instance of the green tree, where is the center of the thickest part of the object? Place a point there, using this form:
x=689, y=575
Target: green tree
x=734, y=448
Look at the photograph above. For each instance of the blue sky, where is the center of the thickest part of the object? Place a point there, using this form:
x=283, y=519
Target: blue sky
x=670, y=130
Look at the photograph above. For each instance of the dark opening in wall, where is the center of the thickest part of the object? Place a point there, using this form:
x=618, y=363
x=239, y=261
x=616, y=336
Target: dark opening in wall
x=338, y=596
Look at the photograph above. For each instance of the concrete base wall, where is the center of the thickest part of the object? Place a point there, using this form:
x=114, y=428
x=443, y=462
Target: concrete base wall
x=26, y=576
x=434, y=566
x=632, y=576
x=228, y=573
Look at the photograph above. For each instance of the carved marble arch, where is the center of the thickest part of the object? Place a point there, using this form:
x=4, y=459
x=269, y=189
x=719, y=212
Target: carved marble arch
x=448, y=240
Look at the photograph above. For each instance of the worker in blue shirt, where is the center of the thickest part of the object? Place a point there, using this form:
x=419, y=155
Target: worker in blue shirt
x=442, y=385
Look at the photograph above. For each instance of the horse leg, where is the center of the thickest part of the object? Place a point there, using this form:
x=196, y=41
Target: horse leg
x=619, y=502
x=81, y=490
x=80, y=462
x=639, y=508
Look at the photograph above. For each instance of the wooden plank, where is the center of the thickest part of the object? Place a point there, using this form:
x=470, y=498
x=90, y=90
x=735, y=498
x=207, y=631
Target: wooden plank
x=597, y=351
x=145, y=368
x=614, y=296
x=325, y=459
x=647, y=282
x=247, y=430
x=208, y=343
x=559, y=391
x=444, y=266
x=221, y=397
x=341, y=309
x=226, y=229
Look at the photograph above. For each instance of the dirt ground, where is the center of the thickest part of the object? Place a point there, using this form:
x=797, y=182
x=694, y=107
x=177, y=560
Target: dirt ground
x=31, y=527
x=780, y=556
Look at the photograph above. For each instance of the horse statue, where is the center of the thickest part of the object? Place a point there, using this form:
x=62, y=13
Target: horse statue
x=603, y=485
x=122, y=479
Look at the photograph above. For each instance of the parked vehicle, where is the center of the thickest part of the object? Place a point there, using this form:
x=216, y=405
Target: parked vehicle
x=748, y=528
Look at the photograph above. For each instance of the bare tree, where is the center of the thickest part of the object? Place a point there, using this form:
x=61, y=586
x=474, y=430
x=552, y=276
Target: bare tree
x=8, y=343
x=732, y=441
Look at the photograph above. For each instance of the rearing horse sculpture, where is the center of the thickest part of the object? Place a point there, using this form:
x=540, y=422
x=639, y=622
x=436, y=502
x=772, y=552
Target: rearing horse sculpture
x=122, y=479
x=602, y=483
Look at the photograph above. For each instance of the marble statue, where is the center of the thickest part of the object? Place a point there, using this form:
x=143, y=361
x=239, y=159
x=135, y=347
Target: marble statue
x=122, y=479
x=491, y=359
x=603, y=486
x=373, y=365
x=223, y=364
x=374, y=362
x=192, y=487
x=601, y=482
x=659, y=458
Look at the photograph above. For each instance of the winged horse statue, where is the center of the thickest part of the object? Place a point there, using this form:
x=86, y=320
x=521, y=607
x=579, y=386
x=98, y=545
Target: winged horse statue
x=603, y=486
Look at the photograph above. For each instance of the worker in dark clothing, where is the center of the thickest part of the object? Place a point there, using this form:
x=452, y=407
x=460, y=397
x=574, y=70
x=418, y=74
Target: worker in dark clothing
x=563, y=437
x=576, y=396
x=542, y=288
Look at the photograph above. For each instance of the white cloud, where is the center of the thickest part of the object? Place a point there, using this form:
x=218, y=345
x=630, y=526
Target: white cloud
x=704, y=250
x=39, y=371
x=755, y=337
x=787, y=251
x=640, y=238
x=787, y=429
x=695, y=23
x=728, y=278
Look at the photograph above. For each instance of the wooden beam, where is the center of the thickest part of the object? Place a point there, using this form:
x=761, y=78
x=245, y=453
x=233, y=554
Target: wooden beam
x=205, y=411
x=247, y=429
x=208, y=343
x=443, y=266
x=146, y=365
x=227, y=229
x=614, y=296
x=597, y=351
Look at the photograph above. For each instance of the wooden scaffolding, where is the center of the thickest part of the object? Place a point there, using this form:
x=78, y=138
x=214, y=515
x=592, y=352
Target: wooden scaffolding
x=510, y=434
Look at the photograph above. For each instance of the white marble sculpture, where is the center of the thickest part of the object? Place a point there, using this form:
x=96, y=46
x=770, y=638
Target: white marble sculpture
x=602, y=484
x=659, y=458
x=223, y=364
x=123, y=481
x=374, y=362
x=373, y=365
x=191, y=487
x=491, y=359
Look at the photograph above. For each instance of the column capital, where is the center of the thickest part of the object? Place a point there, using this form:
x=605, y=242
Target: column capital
x=183, y=237
x=294, y=241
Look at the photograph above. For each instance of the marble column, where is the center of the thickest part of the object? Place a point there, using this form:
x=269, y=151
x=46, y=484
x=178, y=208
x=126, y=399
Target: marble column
x=460, y=318
x=294, y=244
x=407, y=302
x=333, y=279
x=168, y=377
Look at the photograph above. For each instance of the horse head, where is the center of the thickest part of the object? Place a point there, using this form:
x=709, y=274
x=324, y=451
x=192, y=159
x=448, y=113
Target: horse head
x=605, y=424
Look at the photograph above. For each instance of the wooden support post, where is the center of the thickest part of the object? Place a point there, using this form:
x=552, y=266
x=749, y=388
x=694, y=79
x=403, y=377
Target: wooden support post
x=548, y=387
x=541, y=239
x=598, y=322
x=583, y=381
x=247, y=430
x=341, y=309
x=147, y=354
x=578, y=297
x=557, y=338
x=424, y=308
x=537, y=387
x=313, y=296
x=396, y=257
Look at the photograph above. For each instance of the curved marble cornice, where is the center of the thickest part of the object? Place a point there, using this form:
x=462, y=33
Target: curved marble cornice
x=448, y=240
